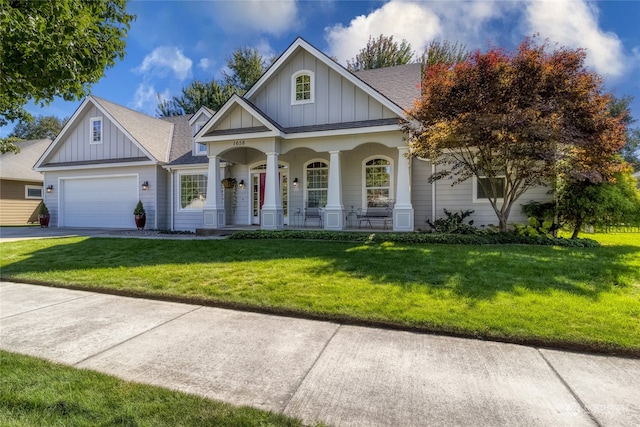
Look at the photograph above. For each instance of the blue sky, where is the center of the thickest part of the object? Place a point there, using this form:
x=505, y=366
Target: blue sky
x=173, y=42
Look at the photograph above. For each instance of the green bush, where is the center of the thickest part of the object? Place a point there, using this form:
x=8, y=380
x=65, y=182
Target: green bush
x=485, y=238
x=454, y=223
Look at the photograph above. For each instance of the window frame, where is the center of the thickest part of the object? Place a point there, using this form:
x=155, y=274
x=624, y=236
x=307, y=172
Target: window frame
x=306, y=181
x=477, y=186
x=391, y=187
x=33, y=187
x=197, y=145
x=93, y=120
x=179, y=198
x=294, y=85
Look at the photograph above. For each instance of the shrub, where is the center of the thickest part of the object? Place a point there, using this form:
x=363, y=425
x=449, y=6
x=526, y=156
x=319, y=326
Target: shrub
x=43, y=209
x=453, y=223
x=139, y=210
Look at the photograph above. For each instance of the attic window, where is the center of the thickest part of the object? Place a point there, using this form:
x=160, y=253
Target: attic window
x=302, y=87
x=96, y=130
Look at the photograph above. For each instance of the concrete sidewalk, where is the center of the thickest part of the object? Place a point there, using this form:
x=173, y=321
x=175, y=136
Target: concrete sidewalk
x=342, y=375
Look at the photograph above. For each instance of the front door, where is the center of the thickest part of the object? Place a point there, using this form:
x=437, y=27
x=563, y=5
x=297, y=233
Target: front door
x=258, y=181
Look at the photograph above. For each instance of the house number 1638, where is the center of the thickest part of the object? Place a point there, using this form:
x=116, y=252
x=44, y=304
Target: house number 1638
x=238, y=142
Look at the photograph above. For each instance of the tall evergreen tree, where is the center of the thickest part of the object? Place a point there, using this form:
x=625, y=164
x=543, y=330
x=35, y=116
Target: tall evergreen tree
x=381, y=52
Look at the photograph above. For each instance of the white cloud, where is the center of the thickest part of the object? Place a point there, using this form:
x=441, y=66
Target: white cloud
x=273, y=17
x=574, y=24
x=166, y=59
x=204, y=64
x=146, y=99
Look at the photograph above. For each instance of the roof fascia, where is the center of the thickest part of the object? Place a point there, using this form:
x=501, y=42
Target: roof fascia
x=340, y=132
x=300, y=42
x=202, y=110
x=95, y=166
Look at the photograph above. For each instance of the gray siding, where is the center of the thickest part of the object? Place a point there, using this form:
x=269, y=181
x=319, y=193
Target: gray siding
x=421, y=193
x=77, y=147
x=337, y=100
x=238, y=118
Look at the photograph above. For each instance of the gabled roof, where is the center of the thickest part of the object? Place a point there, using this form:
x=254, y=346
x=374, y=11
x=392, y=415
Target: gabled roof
x=300, y=43
x=182, y=141
x=202, y=110
x=401, y=83
x=20, y=166
x=152, y=135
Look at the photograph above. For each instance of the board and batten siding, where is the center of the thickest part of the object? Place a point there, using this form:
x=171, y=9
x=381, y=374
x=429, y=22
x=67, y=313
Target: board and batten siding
x=15, y=209
x=336, y=100
x=238, y=118
x=77, y=147
x=421, y=193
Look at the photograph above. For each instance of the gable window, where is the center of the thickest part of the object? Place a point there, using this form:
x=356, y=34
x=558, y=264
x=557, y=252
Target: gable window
x=96, y=130
x=32, y=192
x=377, y=182
x=483, y=190
x=317, y=184
x=302, y=87
x=200, y=149
x=193, y=191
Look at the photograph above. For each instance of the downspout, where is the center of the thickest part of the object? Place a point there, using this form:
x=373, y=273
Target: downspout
x=433, y=194
x=171, y=220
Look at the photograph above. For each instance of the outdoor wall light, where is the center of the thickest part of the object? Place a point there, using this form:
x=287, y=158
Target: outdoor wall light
x=145, y=185
x=295, y=182
x=241, y=183
x=49, y=188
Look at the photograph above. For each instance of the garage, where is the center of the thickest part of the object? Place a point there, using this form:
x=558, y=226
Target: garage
x=99, y=202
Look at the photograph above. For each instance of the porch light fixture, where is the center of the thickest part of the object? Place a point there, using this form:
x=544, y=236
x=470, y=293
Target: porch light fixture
x=49, y=188
x=145, y=185
x=295, y=182
x=241, y=183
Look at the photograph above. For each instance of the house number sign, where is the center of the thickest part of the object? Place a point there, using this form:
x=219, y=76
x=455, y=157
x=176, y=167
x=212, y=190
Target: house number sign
x=238, y=142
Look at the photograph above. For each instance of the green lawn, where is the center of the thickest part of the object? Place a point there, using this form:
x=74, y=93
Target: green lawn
x=34, y=392
x=569, y=297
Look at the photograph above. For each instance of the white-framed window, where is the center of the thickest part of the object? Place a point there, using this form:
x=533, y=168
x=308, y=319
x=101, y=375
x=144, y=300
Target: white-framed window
x=377, y=176
x=32, y=192
x=199, y=149
x=302, y=87
x=95, y=131
x=193, y=191
x=483, y=191
x=316, y=183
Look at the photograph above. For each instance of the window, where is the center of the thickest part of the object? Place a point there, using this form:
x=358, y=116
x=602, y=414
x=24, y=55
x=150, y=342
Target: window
x=317, y=183
x=96, y=130
x=482, y=188
x=32, y=192
x=302, y=88
x=200, y=148
x=193, y=191
x=377, y=179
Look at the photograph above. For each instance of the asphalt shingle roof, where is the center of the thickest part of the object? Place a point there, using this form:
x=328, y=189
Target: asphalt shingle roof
x=20, y=166
x=401, y=84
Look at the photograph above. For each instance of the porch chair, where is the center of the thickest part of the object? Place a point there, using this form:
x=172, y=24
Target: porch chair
x=314, y=213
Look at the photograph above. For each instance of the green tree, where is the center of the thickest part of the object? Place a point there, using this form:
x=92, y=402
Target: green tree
x=40, y=128
x=247, y=67
x=9, y=145
x=515, y=121
x=443, y=53
x=59, y=48
x=381, y=52
x=619, y=107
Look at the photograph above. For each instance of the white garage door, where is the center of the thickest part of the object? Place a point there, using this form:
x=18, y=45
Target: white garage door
x=99, y=202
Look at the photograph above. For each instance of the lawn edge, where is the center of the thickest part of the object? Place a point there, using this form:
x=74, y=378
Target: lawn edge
x=578, y=347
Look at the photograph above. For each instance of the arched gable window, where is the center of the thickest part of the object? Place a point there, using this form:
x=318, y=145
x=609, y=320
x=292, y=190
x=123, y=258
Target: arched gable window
x=377, y=178
x=302, y=86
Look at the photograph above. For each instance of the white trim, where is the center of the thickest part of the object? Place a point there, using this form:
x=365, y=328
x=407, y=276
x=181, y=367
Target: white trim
x=305, y=195
x=95, y=166
x=179, y=175
x=202, y=111
x=93, y=120
x=28, y=187
x=474, y=186
x=196, y=145
x=364, y=177
x=312, y=84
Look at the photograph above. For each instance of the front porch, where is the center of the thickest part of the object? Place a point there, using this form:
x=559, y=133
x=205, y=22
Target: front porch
x=224, y=231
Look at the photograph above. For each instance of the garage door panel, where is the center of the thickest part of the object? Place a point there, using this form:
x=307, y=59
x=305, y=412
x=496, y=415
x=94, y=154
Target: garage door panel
x=100, y=202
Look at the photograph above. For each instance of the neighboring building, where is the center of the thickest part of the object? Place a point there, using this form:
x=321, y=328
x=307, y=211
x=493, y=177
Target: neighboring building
x=20, y=186
x=309, y=133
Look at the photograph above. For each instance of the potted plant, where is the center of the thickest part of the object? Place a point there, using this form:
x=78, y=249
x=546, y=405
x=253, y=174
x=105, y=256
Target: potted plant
x=43, y=215
x=229, y=182
x=140, y=215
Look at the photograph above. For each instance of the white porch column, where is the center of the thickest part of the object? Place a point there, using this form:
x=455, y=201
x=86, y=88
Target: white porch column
x=334, y=211
x=272, y=212
x=214, y=215
x=403, y=209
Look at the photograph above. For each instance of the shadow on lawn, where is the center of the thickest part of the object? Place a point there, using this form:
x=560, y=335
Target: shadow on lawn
x=475, y=272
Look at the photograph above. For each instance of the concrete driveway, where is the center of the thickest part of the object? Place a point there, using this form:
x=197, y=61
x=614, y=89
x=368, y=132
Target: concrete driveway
x=10, y=234
x=342, y=375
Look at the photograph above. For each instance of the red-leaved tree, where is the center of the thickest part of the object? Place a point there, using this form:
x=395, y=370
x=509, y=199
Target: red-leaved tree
x=516, y=120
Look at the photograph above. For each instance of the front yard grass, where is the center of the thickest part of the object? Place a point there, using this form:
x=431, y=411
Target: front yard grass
x=35, y=392
x=581, y=298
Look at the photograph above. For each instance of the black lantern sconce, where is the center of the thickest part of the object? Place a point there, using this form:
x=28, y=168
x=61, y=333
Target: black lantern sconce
x=50, y=189
x=295, y=182
x=145, y=185
x=241, y=183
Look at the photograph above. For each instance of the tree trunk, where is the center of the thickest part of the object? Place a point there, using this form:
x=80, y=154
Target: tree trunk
x=502, y=223
x=576, y=229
